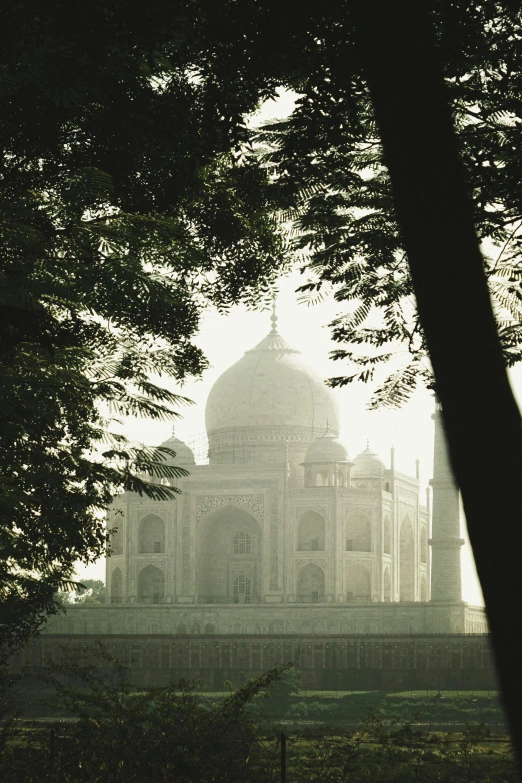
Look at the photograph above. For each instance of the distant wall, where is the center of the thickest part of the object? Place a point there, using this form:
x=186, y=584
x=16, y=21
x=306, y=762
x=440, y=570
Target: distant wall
x=333, y=662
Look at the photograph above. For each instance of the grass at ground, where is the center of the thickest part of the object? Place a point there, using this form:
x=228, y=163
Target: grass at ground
x=399, y=694
x=404, y=694
x=346, y=708
x=446, y=694
x=417, y=707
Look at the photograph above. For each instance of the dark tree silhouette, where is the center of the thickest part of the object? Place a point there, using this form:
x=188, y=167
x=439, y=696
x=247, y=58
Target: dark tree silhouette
x=124, y=210
x=481, y=418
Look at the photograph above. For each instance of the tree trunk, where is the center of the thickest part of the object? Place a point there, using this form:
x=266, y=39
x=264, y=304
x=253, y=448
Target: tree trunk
x=481, y=418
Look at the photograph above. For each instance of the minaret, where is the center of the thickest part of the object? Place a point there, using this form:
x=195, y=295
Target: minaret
x=446, y=585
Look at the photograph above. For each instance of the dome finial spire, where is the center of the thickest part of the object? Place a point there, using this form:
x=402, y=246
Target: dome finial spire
x=273, y=317
x=328, y=432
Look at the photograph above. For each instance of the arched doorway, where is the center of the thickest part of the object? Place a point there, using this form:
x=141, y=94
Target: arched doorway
x=310, y=532
x=229, y=557
x=406, y=564
x=151, y=586
x=241, y=589
x=116, y=586
x=310, y=584
x=151, y=534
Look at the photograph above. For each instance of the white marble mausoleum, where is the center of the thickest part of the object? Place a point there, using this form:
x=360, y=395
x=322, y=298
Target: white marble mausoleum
x=282, y=532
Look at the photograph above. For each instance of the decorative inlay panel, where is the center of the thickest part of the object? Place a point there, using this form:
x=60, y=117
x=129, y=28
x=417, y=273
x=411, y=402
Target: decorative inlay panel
x=300, y=510
x=254, y=504
x=139, y=565
x=406, y=510
x=185, y=546
x=322, y=562
x=264, y=434
x=161, y=513
x=366, y=563
x=349, y=510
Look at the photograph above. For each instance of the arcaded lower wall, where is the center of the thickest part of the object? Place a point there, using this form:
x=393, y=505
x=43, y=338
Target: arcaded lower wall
x=333, y=662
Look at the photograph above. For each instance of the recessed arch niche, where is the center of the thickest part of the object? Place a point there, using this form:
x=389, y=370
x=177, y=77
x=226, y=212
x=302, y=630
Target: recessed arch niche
x=310, y=584
x=151, y=534
x=151, y=585
x=116, y=586
x=310, y=532
x=358, y=532
x=406, y=565
x=229, y=556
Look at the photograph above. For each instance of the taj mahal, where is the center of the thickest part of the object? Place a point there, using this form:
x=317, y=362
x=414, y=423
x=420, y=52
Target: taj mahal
x=281, y=532
x=281, y=547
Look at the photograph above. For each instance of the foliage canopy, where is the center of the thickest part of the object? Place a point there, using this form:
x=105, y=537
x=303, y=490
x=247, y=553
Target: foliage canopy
x=134, y=194
x=327, y=166
x=125, y=211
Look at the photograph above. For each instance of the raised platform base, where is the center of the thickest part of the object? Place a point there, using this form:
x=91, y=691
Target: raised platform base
x=273, y=618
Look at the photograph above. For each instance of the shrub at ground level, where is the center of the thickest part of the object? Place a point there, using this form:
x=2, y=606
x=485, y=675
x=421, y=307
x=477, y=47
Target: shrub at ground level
x=176, y=734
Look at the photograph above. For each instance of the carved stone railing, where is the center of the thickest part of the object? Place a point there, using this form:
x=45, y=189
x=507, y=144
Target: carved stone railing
x=318, y=598
x=359, y=599
x=227, y=599
x=142, y=600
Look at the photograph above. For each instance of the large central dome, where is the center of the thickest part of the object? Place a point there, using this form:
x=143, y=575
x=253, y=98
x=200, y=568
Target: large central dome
x=269, y=395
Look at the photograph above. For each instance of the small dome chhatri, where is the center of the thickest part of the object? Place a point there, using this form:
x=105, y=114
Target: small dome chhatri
x=367, y=463
x=184, y=455
x=326, y=448
x=326, y=462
